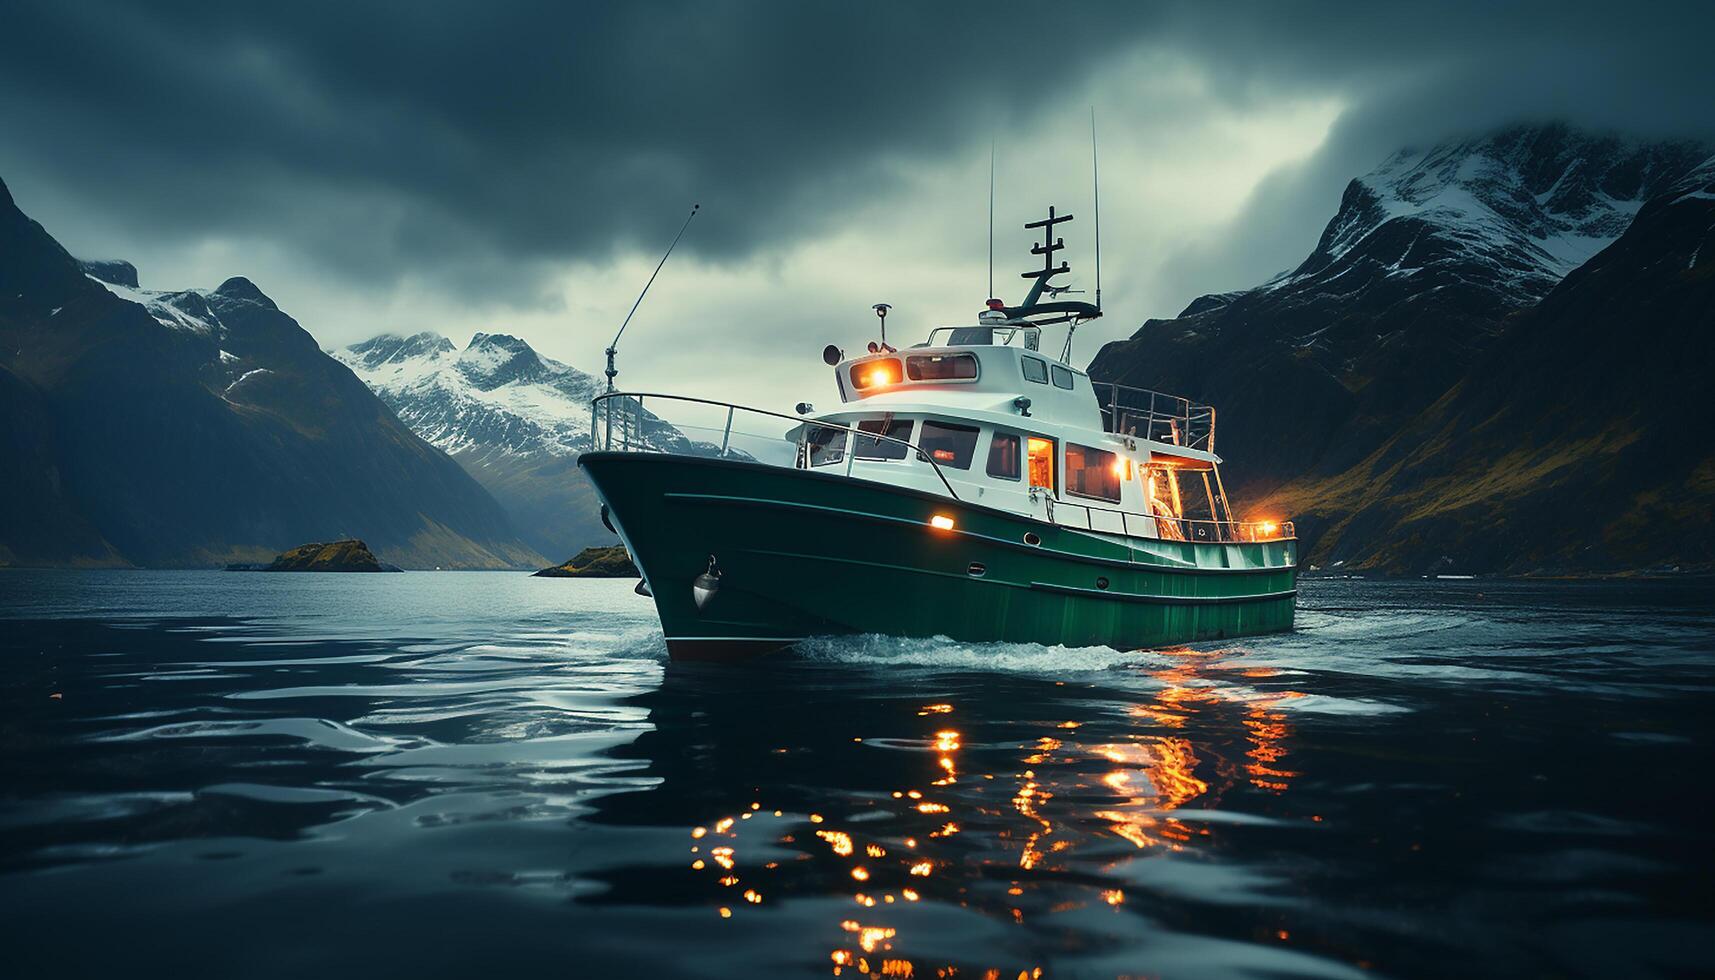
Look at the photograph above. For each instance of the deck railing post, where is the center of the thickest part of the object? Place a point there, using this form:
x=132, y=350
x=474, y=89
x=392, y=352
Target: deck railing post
x=726, y=437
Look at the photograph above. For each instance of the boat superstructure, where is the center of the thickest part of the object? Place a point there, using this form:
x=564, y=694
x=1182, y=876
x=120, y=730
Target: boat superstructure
x=971, y=486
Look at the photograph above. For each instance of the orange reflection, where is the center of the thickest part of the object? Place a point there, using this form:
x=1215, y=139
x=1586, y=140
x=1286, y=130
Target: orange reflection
x=1071, y=794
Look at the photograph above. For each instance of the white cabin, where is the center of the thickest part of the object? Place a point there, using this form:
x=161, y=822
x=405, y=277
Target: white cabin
x=1007, y=426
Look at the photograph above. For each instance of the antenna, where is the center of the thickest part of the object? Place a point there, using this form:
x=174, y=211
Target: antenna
x=613, y=348
x=1096, y=200
x=991, y=218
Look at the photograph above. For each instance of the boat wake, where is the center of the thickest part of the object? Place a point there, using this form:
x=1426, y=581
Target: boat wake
x=942, y=653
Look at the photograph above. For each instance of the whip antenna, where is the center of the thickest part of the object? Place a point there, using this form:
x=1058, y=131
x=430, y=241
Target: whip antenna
x=1096, y=200
x=991, y=217
x=613, y=348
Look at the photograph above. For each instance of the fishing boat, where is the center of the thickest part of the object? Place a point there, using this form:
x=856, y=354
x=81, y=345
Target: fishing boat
x=970, y=486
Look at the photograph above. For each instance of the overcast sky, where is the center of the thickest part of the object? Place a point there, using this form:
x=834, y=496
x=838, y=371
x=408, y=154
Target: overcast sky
x=517, y=168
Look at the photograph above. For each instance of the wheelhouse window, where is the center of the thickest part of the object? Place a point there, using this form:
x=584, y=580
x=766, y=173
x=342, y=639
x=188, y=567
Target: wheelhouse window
x=1093, y=473
x=876, y=374
x=1062, y=376
x=824, y=445
x=1040, y=453
x=941, y=367
x=875, y=446
x=1003, y=456
x=949, y=445
x=1036, y=369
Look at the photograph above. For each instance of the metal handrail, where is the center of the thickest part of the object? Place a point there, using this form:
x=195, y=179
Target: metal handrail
x=1224, y=531
x=732, y=408
x=1032, y=335
x=1182, y=421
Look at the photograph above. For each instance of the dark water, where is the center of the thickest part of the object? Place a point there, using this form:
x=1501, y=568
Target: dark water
x=488, y=774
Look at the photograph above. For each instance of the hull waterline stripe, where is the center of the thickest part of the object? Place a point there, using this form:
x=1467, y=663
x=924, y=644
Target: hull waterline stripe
x=1165, y=600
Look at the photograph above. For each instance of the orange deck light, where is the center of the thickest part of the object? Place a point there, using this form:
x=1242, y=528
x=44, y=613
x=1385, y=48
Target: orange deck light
x=941, y=522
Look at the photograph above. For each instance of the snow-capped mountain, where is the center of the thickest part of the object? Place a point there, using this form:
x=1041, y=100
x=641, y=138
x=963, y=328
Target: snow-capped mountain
x=515, y=420
x=1583, y=439
x=1409, y=285
x=497, y=397
x=1513, y=211
x=199, y=427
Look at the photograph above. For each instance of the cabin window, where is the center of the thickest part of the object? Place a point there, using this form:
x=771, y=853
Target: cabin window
x=1036, y=369
x=872, y=447
x=876, y=374
x=1093, y=473
x=824, y=445
x=1062, y=376
x=1040, y=451
x=941, y=367
x=949, y=445
x=1003, y=456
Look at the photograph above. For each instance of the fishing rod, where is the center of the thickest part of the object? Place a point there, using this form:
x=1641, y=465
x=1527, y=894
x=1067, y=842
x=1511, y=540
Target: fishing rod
x=613, y=348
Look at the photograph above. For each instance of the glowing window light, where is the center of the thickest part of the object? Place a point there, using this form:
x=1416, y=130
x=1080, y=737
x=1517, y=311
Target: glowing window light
x=941, y=522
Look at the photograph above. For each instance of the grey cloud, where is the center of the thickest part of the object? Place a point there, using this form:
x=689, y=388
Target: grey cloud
x=477, y=148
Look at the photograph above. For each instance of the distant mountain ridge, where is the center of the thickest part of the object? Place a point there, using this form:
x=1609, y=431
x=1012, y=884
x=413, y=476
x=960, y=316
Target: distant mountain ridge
x=495, y=397
x=515, y=420
x=201, y=427
x=1413, y=282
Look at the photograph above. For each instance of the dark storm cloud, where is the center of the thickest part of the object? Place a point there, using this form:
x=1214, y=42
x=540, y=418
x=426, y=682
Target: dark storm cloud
x=518, y=131
x=477, y=145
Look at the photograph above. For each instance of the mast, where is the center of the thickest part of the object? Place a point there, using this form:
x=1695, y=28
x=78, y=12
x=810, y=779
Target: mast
x=991, y=218
x=1096, y=201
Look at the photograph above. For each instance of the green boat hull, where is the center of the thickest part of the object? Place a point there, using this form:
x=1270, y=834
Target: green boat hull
x=801, y=554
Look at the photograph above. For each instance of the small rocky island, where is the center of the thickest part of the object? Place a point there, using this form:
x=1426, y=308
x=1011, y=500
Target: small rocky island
x=349, y=555
x=609, y=562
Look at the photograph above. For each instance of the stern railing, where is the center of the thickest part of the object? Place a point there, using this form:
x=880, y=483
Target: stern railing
x=1167, y=527
x=1156, y=416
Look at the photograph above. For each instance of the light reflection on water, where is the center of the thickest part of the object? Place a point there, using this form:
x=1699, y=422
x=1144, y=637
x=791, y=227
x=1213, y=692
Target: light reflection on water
x=447, y=774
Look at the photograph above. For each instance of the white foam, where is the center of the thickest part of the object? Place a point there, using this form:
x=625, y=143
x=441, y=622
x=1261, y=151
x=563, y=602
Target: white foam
x=942, y=653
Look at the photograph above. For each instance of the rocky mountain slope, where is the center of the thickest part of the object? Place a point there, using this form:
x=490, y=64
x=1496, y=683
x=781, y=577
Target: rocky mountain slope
x=1410, y=283
x=1412, y=286
x=1584, y=439
x=202, y=427
x=515, y=420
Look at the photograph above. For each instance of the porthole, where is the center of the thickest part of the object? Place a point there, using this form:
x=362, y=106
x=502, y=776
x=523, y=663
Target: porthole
x=1032, y=538
x=977, y=570
x=1101, y=583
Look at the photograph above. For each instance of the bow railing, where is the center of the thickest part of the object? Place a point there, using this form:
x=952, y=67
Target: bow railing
x=619, y=422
